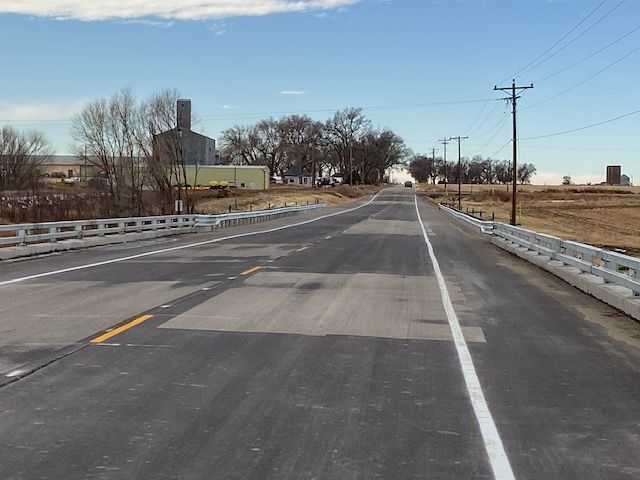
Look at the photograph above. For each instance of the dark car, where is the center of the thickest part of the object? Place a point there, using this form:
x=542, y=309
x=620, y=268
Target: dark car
x=408, y=183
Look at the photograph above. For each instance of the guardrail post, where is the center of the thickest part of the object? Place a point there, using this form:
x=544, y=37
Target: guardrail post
x=53, y=231
x=22, y=237
x=79, y=231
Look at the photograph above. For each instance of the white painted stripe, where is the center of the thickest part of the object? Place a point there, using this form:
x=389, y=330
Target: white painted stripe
x=492, y=442
x=181, y=247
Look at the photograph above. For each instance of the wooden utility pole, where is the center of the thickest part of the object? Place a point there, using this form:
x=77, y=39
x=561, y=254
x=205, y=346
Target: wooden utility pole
x=459, y=139
x=513, y=98
x=445, y=142
x=433, y=163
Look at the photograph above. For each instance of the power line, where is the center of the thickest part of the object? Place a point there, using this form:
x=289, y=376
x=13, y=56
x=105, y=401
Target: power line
x=331, y=110
x=582, y=82
x=500, y=124
x=583, y=33
x=240, y=116
x=564, y=132
x=591, y=55
x=484, y=105
x=573, y=29
x=486, y=119
x=499, y=150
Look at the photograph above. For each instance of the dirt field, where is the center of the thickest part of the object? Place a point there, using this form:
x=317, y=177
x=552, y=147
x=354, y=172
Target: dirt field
x=607, y=217
x=245, y=200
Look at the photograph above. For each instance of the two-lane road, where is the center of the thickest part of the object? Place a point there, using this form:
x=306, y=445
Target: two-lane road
x=334, y=346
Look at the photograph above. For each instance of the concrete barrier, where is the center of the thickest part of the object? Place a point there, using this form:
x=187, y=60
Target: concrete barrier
x=609, y=276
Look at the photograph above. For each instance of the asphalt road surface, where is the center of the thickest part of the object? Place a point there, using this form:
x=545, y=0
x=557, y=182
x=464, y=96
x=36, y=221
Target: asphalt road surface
x=381, y=340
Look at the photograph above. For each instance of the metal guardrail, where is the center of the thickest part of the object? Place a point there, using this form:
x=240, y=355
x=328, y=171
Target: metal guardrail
x=243, y=218
x=611, y=267
x=31, y=233
x=26, y=233
x=483, y=225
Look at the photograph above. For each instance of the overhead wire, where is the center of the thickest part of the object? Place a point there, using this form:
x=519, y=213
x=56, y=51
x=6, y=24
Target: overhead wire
x=565, y=132
x=591, y=55
x=580, y=35
x=573, y=29
x=582, y=82
x=498, y=130
x=500, y=149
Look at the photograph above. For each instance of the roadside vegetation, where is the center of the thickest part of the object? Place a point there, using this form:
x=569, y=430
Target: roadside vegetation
x=607, y=217
x=115, y=136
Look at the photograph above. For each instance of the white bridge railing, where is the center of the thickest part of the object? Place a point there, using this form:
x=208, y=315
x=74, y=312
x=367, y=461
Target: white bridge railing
x=31, y=233
x=611, y=267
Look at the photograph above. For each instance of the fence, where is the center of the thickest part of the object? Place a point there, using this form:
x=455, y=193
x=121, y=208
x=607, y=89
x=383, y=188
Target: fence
x=611, y=267
x=32, y=233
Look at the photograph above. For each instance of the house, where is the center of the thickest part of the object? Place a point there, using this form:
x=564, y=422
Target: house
x=297, y=175
x=68, y=166
x=184, y=144
x=625, y=180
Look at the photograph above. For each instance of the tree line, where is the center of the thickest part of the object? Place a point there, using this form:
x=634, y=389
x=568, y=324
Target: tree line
x=118, y=136
x=344, y=145
x=475, y=170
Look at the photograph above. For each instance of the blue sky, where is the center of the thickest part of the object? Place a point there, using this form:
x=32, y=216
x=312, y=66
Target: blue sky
x=399, y=59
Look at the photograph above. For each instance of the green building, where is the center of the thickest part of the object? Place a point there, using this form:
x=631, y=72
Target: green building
x=249, y=177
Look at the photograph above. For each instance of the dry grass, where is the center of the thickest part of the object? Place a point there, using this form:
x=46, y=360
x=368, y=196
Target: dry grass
x=245, y=200
x=607, y=217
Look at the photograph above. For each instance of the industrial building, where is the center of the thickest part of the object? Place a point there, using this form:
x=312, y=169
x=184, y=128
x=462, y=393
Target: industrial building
x=181, y=145
x=249, y=177
x=613, y=174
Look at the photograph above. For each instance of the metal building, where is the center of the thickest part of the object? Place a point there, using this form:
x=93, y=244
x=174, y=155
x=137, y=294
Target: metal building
x=613, y=174
x=181, y=145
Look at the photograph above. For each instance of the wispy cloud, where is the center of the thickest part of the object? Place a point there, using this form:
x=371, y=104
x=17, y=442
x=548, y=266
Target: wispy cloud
x=218, y=28
x=94, y=10
x=229, y=107
x=293, y=92
x=40, y=111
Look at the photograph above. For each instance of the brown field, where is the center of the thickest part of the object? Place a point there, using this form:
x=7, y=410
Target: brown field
x=245, y=200
x=608, y=217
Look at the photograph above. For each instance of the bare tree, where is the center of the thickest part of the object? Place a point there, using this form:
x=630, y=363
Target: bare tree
x=341, y=131
x=238, y=145
x=525, y=173
x=21, y=156
x=302, y=139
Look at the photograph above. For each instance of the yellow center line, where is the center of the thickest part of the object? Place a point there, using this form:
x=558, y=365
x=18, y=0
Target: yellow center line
x=328, y=237
x=120, y=329
x=251, y=270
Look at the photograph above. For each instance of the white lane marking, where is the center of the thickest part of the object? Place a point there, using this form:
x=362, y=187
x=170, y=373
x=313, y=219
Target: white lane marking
x=492, y=442
x=181, y=247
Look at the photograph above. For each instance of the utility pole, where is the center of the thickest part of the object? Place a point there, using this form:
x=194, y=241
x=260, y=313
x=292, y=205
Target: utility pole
x=459, y=139
x=513, y=98
x=351, y=162
x=445, y=142
x=433, y=163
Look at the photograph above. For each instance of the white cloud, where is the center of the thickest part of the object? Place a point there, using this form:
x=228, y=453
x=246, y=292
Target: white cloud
x=293, y=92
x=41, y=111
x=93, y=10
x=229, y=107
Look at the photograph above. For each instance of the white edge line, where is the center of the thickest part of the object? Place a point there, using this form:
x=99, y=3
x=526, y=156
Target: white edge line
x=492, y=442
x=181, y=247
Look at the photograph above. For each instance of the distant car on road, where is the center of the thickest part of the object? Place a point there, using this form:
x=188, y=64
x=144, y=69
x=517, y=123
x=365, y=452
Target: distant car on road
x=408, y=184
